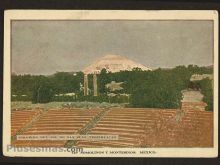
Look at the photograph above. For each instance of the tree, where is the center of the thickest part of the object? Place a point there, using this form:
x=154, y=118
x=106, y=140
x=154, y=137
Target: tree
x=207, y=91
x=103, y=79
x=156, y=95
x=43, y=93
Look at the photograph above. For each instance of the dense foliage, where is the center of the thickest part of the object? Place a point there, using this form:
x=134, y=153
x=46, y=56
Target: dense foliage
x=206, y=86
x=43, y=88
x=207, y=91
x=42, y=93
x=158, y=88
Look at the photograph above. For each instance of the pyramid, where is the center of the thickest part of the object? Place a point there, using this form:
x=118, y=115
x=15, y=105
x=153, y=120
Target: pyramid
x=113, y=63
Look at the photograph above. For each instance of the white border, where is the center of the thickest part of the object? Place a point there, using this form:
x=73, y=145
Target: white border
x=108, y=15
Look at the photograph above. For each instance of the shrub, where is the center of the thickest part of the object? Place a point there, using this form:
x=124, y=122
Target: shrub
x=86, y=104
x=155, y=96
x=42, y=93
x=100, y=98
x=207, y=91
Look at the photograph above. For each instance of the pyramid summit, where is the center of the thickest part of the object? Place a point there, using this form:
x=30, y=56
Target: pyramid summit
x=113, y=63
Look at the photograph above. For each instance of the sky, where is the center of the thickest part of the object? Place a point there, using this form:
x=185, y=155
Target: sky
x=46, y=47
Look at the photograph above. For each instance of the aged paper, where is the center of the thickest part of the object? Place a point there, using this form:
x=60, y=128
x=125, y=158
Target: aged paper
x=88, y=83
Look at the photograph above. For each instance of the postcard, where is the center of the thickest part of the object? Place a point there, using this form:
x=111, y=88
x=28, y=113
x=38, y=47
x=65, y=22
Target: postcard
x=110, y=83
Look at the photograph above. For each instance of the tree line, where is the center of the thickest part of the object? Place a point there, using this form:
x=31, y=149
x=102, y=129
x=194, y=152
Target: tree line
x=160, y=88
